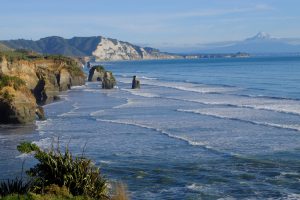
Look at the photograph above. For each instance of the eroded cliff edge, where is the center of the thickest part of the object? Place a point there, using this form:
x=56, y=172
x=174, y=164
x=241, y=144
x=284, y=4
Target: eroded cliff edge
x=28, y=80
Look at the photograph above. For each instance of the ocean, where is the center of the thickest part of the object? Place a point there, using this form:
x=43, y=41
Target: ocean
x=197, y=129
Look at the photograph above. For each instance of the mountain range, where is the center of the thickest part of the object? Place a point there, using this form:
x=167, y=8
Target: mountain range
x=100, y=48
x=97, y=48
x=261, y=43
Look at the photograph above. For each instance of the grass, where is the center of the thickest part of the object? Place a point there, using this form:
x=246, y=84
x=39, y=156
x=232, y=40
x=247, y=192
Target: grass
x=72, y=65
x=32, y=196
x=20, y=54
x=11, y=81
x=15, y=186
x=17, y=55
x=99, y=68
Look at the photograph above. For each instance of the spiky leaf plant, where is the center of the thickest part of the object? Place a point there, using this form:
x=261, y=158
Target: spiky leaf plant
x=77, y=173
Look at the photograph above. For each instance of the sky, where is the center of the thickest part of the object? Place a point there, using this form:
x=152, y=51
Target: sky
x=156, y=23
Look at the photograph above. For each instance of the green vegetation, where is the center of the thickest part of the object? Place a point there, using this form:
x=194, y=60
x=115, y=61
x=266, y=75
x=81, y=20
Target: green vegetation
x=77, y=174
x=16, y=186
x=59, y=175
x=19, y=54
x=99, y=68
x=12, y=81
x=71, y=64
x=77, y=46
x=4, y=47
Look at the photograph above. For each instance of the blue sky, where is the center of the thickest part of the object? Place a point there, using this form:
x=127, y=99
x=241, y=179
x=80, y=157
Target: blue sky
x=156, y=23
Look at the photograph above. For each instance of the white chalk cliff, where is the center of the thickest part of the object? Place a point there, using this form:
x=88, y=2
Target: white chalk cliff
x=110, y=49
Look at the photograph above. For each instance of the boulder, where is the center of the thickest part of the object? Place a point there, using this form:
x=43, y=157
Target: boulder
x=39, y=111
x=135, y=83
x=108, y=81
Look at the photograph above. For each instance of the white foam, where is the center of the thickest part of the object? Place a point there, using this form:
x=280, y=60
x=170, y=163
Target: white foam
x=93, y=90
x=182, y=138
x=68, y=114
x=42, y=124
x=141, y=93
x=195, y=187
x=223, y=116
x=259, y=103
x=43, y=143
x=283, y=106
x=191, y=87
x=148, y=78
x=129, y=102
x=97, y=113
x=78, y=87
x=293, y=196
x=106, y=162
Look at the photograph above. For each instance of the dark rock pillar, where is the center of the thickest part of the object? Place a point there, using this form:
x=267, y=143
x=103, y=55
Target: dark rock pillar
x=135, y=83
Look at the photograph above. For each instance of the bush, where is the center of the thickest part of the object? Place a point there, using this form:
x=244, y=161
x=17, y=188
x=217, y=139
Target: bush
x=99, y=68
x=12, y=81
x=78, y=174
x=14, y=186
x=19, y=54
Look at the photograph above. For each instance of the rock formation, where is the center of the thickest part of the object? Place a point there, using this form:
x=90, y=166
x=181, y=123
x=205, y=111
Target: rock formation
x=108, y=81
x=39, y=111
x=39, y=79
x=17, y=104
x=96, y=73
x=135, y=83
x=110, y=49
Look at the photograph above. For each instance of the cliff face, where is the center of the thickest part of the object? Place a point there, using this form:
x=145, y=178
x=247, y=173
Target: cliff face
x=17, y=104
x=43, y=77
x=98, y=48
x=109, y=49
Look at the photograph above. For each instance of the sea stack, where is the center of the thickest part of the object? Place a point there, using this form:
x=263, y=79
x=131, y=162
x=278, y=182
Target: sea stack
x=108, y=81
x=135, y=83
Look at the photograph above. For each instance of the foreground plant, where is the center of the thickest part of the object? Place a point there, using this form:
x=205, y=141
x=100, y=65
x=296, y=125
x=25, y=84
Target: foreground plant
x=78, y=174
x=14, y=186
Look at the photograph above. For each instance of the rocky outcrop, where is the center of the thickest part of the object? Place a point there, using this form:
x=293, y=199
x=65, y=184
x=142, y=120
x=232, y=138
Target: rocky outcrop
x=96, y=73
x=135, y=83
x=108, y=81
x=43, y=77
x=39, y=111
x=17, y=104
x=110, y=49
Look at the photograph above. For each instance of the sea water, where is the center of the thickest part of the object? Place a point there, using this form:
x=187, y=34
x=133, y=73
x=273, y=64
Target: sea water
x=197, y=129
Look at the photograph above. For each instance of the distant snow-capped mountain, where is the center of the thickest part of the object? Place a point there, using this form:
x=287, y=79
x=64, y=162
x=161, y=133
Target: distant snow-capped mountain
x=260, y=43
x=261, y=36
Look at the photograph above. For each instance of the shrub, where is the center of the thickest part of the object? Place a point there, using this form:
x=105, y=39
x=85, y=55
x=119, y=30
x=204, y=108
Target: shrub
x=19, y=54
x=78, y=174
x=14, y=186
x=99, y=68
x=12, y=81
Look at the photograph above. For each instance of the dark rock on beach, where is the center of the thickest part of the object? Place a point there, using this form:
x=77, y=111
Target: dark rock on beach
x=96, y=73
x=135, y=83
x=108, y=81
